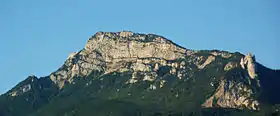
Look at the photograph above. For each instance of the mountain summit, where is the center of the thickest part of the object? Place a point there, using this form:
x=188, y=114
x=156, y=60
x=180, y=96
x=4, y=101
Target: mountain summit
x=126, y=73
x=108, y=52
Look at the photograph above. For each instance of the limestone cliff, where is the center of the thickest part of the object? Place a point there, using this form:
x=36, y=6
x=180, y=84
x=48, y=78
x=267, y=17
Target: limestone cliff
x=111, y=51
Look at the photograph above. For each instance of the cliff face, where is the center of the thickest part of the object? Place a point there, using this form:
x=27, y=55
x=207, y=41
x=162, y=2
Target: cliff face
x=249, y=63
x=108, y=52
x=144, y=70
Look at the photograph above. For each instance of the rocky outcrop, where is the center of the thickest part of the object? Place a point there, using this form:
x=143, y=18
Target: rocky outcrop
x=237, y=94
x=230, y=66
x=208, y=61
x=222, y=54
x=23, y=87
x=230, y=94
x=249, y=63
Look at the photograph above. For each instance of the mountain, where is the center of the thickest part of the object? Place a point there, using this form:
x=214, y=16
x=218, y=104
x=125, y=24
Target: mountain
x=133, y=74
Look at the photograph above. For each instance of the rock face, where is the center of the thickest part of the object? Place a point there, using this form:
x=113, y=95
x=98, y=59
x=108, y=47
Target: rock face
x=109, y=52
x=208, y=61
x=233, y=95
x=249, y=63
x=230, y=66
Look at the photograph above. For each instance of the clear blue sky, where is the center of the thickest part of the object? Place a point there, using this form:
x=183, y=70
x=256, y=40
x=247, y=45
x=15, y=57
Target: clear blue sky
x=37, y=35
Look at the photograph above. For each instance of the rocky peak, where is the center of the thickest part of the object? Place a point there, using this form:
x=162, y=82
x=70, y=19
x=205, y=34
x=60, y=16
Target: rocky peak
x=128, y=44
x=113, y=51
